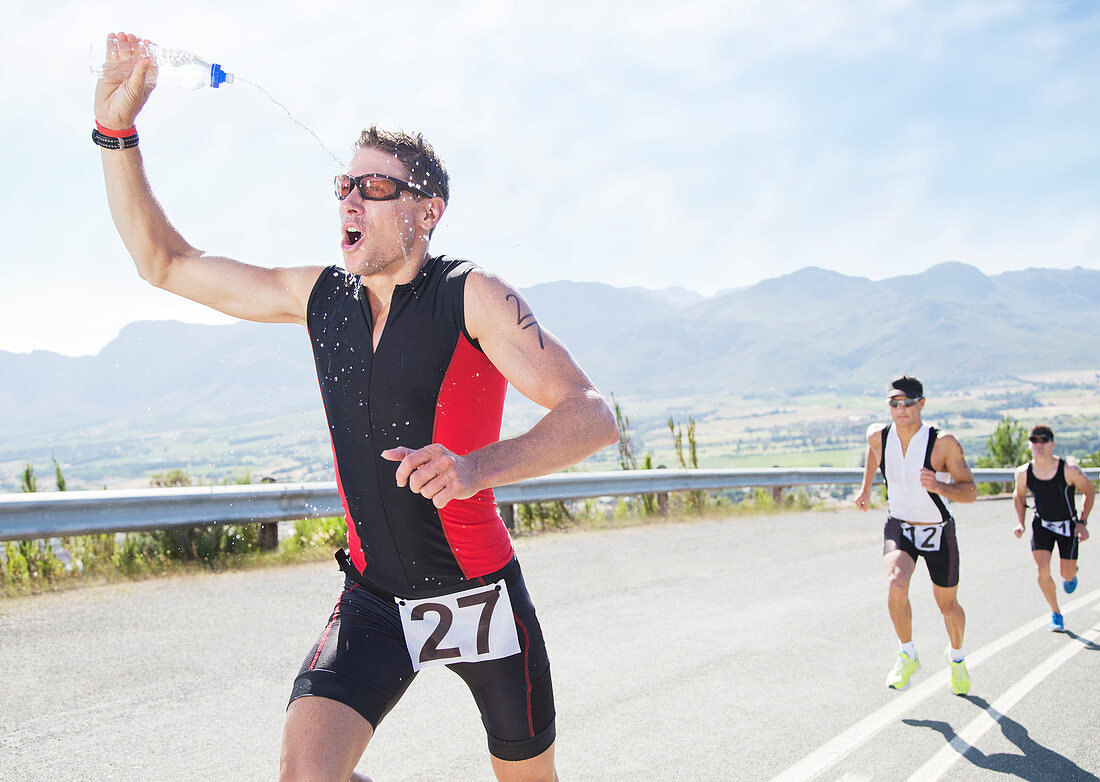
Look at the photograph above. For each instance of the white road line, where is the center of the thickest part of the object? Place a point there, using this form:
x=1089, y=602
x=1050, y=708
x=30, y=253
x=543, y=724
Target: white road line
x=834, y=751
x=964, y=740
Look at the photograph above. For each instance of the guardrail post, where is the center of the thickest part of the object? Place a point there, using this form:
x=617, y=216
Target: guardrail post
x=508, y=513
x=662, y=497
x=269, y=530
x=269, y=536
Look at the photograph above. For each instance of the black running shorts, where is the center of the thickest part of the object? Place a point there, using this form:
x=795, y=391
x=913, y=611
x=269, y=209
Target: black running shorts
x=362, y=661
x=1043, y=539
x=943, y=563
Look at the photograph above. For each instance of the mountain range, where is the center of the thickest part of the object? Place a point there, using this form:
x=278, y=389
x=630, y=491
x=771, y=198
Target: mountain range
x=816, y=330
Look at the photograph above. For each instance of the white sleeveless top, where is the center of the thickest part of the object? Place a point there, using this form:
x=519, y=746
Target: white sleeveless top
x=909, y=501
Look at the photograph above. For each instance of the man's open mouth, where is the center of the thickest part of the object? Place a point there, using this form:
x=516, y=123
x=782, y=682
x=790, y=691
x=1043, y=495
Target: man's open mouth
x=352, y=236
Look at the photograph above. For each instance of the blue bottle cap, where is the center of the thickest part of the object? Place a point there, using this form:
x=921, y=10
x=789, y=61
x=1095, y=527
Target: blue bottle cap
x=217, y=75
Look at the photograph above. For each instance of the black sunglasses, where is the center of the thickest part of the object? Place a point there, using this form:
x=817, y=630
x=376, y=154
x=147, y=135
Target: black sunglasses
x=375, y=187
x=1039, y=438
x=904, y=401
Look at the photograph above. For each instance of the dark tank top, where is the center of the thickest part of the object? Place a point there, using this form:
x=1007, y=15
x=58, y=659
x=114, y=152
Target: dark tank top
x=1053, y=498
x=427, y=382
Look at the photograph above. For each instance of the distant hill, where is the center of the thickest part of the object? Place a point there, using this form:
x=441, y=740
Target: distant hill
x=161, y=372
x=808, y=331
x=815, y=330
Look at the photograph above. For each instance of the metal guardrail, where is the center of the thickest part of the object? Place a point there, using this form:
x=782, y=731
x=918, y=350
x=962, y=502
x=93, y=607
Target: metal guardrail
x=61, y=514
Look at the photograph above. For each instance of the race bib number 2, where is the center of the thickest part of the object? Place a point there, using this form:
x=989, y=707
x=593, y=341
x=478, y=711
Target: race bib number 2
x=926, y=537
x=463, y=627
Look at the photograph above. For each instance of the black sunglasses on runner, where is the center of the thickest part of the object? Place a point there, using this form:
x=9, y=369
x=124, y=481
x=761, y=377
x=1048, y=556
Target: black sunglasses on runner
x=903, y=401
x=374, y=187
x=1039, y=438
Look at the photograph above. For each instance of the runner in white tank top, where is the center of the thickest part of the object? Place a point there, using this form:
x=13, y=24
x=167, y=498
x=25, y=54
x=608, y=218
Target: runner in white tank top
x=925, y=471
x=909, y=501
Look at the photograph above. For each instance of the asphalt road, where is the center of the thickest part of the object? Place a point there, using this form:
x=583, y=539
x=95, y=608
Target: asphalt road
x=736, y=649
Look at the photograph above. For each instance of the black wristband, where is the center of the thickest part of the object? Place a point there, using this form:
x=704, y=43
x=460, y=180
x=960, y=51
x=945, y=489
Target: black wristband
x=110, y=142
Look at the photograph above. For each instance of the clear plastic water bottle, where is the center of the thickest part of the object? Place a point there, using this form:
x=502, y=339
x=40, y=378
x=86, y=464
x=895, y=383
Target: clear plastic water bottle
x=174, y=66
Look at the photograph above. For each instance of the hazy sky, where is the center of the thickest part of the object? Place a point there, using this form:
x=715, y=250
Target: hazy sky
x=702, y=144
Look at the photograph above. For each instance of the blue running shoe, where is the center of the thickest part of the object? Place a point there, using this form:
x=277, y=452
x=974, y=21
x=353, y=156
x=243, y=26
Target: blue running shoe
x=1056, y=624
x=1070, y=585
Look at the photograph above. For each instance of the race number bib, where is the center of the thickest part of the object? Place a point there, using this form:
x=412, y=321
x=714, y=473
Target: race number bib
x=1057, y=527
x=925, y=537
x=462, y=627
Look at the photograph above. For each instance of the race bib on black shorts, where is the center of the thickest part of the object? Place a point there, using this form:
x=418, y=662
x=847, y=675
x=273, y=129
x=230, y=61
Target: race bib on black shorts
x=925, y=537
x=1058, y=527
x=463, y=627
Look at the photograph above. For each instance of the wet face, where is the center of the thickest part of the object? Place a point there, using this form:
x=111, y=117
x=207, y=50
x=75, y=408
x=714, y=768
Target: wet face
x=376, y=235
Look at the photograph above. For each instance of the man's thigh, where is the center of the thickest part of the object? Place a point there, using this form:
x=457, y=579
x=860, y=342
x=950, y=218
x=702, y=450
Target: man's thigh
x=943, y=563
x=360, y=658
x=514, y=694
x=1042, y=539
x=322, y=739
x=899, y=567
x=1067, y=545
x=1042, y=558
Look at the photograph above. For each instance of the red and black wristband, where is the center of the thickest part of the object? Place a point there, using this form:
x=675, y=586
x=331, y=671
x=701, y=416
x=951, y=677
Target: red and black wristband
x=114, y=139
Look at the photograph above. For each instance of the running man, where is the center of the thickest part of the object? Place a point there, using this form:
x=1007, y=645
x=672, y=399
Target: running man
x=413, y=354
x=925, y=471
x=1052, y=481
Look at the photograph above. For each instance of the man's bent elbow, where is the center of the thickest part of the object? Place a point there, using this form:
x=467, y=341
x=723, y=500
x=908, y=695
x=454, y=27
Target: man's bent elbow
x=606, y=429
x=158, y=278
x=611, y=434
x=154, y=270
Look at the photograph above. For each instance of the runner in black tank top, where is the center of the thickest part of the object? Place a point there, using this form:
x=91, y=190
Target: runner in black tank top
x=427, y=382
x=413, y=354
x=1053, y=483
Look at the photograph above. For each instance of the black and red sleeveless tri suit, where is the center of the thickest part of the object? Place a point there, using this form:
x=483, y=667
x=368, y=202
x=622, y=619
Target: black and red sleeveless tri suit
x=428, y=382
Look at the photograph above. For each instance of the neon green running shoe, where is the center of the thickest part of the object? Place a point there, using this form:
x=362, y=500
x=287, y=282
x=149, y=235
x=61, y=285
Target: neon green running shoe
x=906, y=666
x=960, y=677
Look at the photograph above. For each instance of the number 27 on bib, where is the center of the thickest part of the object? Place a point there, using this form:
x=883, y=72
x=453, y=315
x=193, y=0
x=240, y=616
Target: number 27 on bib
x=468, y=626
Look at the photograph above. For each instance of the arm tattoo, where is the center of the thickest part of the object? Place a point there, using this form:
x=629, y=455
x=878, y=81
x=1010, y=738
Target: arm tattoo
x=526, y=321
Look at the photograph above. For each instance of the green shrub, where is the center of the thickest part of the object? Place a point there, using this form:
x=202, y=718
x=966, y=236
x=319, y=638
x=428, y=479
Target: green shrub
x=325, y=533
x=92, y=555
x=42, y=563
x=14, y=574
x=542, y=516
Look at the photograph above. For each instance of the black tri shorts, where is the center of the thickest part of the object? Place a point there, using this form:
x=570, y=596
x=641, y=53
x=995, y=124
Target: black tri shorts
x=1043, y=539
x=939, y=548
x=362, y=661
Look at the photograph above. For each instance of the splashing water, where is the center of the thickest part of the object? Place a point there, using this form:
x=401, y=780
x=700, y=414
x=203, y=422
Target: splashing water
x=339, y=163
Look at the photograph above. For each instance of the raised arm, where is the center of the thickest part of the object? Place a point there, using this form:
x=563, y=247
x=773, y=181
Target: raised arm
x=162, y=256
x=578, y=422
x=947, y=456
x=870, y=465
